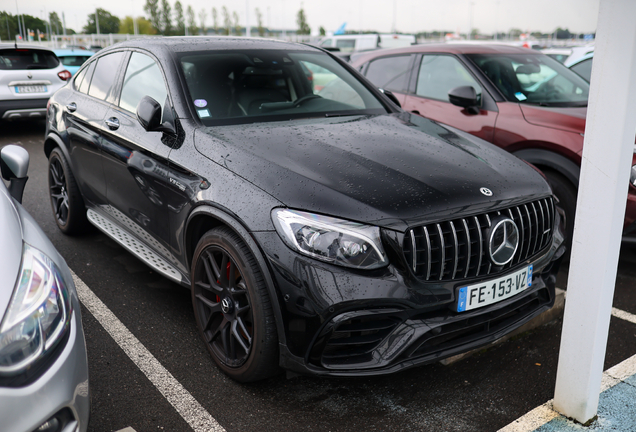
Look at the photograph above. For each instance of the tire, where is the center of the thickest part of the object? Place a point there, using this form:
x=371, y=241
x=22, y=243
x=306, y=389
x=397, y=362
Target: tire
x=565, y=192
x=67, y=203
x=234, y=314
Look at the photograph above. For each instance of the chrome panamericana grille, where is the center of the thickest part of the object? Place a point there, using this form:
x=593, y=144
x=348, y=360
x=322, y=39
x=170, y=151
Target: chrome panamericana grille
x=458, y=248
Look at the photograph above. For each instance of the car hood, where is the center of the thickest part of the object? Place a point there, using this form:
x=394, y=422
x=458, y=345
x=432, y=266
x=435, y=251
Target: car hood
x=389, y=170
x=563, y=118
x=11, y=252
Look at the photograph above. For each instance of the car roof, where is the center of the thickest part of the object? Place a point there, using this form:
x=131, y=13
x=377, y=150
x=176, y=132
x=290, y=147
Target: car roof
x=23, y=46
x=69, y=52
x=202, y=43
x=569, y=63
x=491, y=48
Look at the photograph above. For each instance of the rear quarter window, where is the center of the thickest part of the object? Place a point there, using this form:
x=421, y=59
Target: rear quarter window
x=14, y=59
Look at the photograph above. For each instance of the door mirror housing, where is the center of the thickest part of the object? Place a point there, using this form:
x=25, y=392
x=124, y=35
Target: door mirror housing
x=14, y=165
x=465, y=97
x=149, y=116
x=391, y=96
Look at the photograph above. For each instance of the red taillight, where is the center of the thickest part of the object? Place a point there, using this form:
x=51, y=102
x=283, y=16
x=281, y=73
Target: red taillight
x=64, y=75
x=48, y=105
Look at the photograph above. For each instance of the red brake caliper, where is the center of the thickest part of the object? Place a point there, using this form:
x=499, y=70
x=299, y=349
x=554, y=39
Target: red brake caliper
x=218, y=299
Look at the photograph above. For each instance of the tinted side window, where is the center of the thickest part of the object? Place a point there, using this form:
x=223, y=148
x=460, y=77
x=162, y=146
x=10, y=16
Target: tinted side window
x=390, y=73
x=584, y=69
x=346, y=45
x=86, y=82
x=104, y=76
x=79, y=78
x=441, y=73
x=143, y=78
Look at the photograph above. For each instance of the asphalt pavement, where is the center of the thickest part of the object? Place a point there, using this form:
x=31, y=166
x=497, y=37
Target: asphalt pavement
x=484, y=392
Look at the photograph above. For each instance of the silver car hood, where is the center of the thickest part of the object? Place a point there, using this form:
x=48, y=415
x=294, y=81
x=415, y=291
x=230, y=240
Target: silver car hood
x=11, y=248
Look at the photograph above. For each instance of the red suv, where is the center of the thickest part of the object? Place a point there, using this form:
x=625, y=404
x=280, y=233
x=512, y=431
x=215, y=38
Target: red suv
x=516, y=98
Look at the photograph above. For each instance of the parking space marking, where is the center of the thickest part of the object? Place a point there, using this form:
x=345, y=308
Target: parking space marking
x=185, y=404
x=545, y=413
x=624, y=315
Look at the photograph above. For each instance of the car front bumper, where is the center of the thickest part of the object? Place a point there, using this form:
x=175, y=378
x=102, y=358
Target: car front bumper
x=343, y=322
x=62, y=391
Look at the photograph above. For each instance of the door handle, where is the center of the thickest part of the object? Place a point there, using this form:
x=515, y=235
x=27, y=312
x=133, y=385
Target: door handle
x=112, y=123
x=416, y=112
x=71, y=107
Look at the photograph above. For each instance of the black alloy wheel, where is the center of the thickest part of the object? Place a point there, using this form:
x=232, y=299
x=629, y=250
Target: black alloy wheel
x=232, y=307
x=66, y=200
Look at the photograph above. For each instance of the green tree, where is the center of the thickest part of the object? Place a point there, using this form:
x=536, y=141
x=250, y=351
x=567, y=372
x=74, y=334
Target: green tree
x=259, y=22
x=215, y=20
x=301, y=21
x=154, y=13
x=108, y=23
x=166, y=18
x=203, y=16
x=126, y=26
x=237, y=26
x=56, y=23
x=192, y=23
x=227, y=21
x=563, y=33
x=178, y=18
x=322, y=31
x=515, y=32
x=9, y=25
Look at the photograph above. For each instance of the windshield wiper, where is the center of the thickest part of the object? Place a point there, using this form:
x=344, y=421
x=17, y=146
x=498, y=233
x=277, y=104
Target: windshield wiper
x=330, y=115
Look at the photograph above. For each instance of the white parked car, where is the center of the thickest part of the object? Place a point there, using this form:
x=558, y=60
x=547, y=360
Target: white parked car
x=582, y=65
x=29, y=75
x=363, y=42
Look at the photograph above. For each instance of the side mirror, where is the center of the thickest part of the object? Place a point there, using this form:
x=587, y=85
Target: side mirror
x=149, y=116
x=465, y=97
x=14, y=164
x=391, y=96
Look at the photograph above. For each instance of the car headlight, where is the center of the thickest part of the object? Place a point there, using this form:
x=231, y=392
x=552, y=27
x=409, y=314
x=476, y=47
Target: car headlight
x=632, y=177
x=335, y=241
x=38, y=315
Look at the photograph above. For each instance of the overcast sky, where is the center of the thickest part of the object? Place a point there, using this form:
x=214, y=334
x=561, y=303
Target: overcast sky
x=579, y=16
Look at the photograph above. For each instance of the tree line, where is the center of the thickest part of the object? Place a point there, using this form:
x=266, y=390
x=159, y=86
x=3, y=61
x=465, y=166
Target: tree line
x=163, y=19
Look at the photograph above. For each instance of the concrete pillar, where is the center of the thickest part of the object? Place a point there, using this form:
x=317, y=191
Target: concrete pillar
x=605, y=169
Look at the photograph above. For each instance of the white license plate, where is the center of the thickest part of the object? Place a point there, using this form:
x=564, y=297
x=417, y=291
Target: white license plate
x=30, y=89
x=492, y=291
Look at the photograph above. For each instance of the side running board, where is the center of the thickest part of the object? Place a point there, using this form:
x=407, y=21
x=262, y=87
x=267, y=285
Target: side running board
x=134, y=246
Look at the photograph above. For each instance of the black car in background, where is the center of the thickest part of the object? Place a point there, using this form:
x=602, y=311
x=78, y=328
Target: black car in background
x=322, y=232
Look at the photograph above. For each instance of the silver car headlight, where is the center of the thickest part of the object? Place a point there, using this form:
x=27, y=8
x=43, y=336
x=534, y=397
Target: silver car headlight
x=38, y=315
x=335, y=241
x=632, y=177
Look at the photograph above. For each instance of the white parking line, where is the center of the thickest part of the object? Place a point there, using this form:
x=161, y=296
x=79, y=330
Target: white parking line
x=185, y=404
x=544, y=413
x=624, y=315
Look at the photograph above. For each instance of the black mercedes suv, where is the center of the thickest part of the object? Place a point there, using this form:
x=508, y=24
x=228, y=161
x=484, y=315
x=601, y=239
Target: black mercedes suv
x=320, y=228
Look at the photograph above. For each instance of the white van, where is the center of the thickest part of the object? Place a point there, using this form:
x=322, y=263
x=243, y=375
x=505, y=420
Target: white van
x=363, y=42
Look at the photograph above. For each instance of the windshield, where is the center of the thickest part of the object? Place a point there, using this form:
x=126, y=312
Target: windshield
x=533, y=79
x=269, y=85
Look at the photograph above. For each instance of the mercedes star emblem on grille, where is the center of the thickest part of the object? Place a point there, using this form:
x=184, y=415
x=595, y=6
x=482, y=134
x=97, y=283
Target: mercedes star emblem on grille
x=486, y=191
x=504, y=240
x=29, y=76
